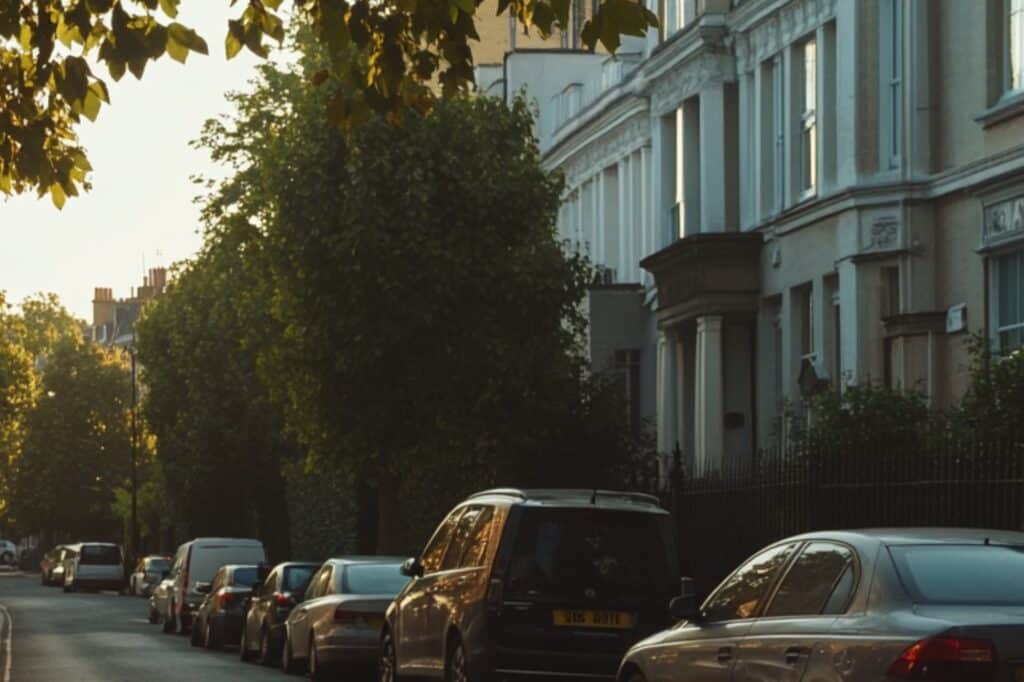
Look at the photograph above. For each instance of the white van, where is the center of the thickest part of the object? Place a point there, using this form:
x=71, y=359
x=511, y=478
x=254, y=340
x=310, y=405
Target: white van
x=93, y=565
x=197, y=561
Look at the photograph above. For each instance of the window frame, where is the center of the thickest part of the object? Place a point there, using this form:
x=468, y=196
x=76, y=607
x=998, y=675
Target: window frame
x=853, y=563
x=891, y=79
x=998, y=328
x=808, y=141
x=769, y=592
x=778, y=139
x=1011, y=89
x=455, y=515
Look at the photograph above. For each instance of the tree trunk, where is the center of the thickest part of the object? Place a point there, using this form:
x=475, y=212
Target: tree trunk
x=389, y=523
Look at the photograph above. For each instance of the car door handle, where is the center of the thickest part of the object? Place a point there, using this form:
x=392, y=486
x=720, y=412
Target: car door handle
x=795, y=653
x=724, y=654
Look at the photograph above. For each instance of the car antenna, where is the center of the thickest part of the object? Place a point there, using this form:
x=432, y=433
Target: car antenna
x=593, y=497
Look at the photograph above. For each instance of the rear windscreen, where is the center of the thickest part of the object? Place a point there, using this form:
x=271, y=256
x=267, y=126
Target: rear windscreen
x=100, y=554
x=158, y=565
x=961, y=574
x=383, y=579
x=297, y=578
x=588, y=554
x=207, y=559
x=245, y=577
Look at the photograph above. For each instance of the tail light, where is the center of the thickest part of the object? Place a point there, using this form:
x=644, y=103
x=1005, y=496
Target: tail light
x=344, y=617
x=282, y=599
x=495, y=593
x=226, y=598
x=947, y=659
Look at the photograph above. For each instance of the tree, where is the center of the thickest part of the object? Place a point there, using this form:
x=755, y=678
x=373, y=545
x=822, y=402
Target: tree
x=17, y=391
x=220, y=443
x=383, y=55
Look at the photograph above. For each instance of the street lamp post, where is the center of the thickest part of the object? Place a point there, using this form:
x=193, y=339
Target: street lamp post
x=134, y=458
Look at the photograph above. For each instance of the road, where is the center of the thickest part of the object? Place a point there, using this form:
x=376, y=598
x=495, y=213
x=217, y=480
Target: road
x=99, y=638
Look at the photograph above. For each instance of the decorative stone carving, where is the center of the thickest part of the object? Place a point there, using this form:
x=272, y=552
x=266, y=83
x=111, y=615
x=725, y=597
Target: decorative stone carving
x=1004, y=220
x=606, y=149
x=689, y=78
x=780, y=29
x=882, y=234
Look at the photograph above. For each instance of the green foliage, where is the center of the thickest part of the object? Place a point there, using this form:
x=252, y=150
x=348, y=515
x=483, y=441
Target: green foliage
x=994, y=402
x=17, y=392
x=383, y=56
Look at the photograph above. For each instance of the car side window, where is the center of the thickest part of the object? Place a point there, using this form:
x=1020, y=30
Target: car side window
x=742, y=593
x=476, y=548
x=434, y=552
x=218, y=581
x=460, y=538
x=839, y=600
x=810, y=580
x=318, y=583
x=327, y=582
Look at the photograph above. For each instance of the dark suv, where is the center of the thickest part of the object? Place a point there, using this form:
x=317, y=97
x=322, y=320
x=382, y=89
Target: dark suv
x=540, y=584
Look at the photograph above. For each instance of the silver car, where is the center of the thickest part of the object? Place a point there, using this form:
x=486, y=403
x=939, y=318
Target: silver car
x=158, y=600
x=338, y=625
x=857, y=606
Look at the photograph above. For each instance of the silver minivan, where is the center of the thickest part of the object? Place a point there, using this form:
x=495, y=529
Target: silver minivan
x=94, y=565
x=197, y=561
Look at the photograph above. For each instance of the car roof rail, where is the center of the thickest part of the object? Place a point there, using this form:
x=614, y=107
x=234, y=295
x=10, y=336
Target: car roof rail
x=555, y=493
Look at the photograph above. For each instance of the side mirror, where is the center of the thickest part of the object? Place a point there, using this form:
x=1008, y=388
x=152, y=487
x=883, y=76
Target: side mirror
x=203, y=588
x=684, y=607
x=412, y=568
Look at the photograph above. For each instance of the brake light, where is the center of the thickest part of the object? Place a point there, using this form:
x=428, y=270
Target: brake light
x=344, y=617
x=282, y=599
x=946, y=659
x=226, y=598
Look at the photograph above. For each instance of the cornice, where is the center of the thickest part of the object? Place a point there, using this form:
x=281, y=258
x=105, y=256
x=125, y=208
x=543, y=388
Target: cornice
x=777, y=28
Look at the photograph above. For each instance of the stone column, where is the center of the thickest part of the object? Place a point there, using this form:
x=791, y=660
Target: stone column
x=847, y=63
x=714, y=164
x=666, y=405
x=708, y=400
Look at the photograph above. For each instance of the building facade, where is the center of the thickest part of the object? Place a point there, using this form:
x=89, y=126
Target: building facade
x=113, y=320
x=791, y=194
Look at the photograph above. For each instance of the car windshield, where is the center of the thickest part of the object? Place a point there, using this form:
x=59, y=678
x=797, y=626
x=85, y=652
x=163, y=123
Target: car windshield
x=100, y=554
x=158, y=565
x=384, y=579
x=246, y=576
x=962, y=574
x=297, y=578
x=591, y=554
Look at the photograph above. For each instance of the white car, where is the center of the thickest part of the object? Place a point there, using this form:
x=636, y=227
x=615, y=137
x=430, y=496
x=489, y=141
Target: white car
x=8, y=552
x=197, y=561
x=94, y=565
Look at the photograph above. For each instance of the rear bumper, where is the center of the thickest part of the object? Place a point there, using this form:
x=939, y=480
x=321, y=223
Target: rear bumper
x=230, y=626
x=515, y=663
x=349, y=648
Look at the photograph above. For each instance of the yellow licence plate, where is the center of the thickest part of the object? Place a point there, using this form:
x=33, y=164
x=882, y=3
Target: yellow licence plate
x=375, y=622
x=585, y=618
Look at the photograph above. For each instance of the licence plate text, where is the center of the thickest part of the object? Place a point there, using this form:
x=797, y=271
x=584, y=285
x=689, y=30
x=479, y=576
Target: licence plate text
x=585, y=618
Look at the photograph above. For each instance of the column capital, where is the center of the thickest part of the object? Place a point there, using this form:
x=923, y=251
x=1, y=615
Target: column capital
x=709, y=323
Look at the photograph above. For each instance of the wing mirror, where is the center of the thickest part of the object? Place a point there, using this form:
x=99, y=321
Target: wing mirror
x=685, y=606
x=412, y=568
x=202, y=588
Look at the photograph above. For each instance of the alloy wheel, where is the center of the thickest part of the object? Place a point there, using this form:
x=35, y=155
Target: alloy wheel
x=387, y=668
x=264, y=655
x=457, y=665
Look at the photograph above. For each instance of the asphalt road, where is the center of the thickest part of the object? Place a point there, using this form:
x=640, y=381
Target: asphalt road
x=47, y=636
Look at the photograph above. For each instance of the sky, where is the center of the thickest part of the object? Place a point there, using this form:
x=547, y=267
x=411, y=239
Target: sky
x=140, y=210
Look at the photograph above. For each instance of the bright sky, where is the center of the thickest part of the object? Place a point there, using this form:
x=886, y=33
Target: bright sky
x=140, y=207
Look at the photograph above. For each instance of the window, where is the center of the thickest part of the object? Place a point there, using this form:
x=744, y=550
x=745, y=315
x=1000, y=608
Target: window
x=809, y=119
x=383, y=579
x=627, y=368
x=891, y=66
x=460, y=538
x=741, y=594
x=805, y=310
x=778, y=135
x=296, y=578
x=1009, y=294
x=434, y=552
x=962, y=574
x=318, y=584
x=476, y=548
x=811, y=580
x=1015, y=45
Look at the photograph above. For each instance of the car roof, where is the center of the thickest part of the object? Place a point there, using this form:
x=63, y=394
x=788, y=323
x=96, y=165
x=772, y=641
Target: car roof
x=365, y=559
x=571, y=498
x=237, y=541
x=921, y=536
x=234, y=567
x=292, y=564
x=101, y=544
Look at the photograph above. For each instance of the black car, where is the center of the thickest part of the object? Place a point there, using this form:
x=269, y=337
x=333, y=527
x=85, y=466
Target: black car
x=271, y=602
x=538, y=584
x=218, y=621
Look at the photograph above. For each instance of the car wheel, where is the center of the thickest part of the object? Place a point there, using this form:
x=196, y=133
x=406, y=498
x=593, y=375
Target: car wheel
x=243, y=644
x=7, y=558
x=154, y=617
x=288, y=663
x=169, y=620
x=313, y=669
x=636, y=676
x=456, y=668
x=387, y=667
x=211, y=638
x=42, y=580
x=68, y=588
x=265, y=656
x=193, y=637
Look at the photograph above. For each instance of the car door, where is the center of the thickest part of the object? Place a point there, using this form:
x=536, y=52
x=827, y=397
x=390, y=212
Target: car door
x=414, y=639
x=260, y=607
x=705, y=650
x=452, y=587
x=301, y=619
x=816, y=587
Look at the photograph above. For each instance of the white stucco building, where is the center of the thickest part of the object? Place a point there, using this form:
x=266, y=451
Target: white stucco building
x=789, y=193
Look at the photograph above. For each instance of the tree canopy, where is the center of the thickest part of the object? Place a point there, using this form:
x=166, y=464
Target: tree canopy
x=383, y=55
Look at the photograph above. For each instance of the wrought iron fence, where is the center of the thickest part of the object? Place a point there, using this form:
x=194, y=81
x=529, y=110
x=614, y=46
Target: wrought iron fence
x=724, y=516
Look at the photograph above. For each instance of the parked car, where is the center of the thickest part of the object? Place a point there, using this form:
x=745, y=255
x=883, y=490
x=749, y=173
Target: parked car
x=51, y=568
x=338, y=625
x=548, y=584
x=147, y=574
x=197, y=561
x=94, y=565
x=158, y=599
x=8, y=553
x=900, y=604
x=218, y=620
x=268, y=609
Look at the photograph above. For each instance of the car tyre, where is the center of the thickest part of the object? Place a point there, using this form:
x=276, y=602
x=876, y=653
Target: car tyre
x=313, y=669
x=193, y=636
x=265, y=655
x=211, y=638
x=636, y=676
x=244, y=654
x=169, y=621
x=387, y=667
x=456, y=668
x=154, y=617
x=288, y=663
x=7, y=558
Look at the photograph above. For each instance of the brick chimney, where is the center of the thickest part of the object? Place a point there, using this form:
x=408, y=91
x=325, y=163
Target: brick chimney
x=102, y=306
